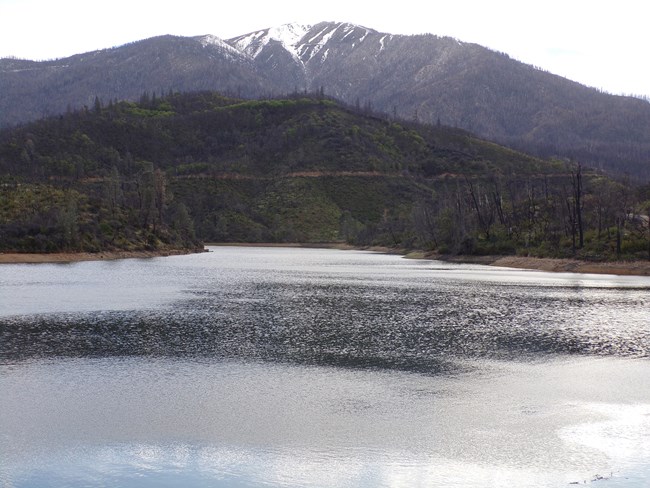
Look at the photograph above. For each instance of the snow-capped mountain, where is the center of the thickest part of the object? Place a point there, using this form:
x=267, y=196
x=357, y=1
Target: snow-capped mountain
x=308, y=46
x=423, y=77
x=303, y=42
x=288, y=35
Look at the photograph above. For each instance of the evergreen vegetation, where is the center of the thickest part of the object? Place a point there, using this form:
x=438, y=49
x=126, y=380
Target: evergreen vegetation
x=171, y=170
x=421, y=78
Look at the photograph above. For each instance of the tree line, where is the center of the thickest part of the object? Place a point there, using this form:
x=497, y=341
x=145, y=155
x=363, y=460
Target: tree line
x=177, y=168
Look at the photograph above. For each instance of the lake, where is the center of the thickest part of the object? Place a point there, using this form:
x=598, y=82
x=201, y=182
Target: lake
x=251, y=367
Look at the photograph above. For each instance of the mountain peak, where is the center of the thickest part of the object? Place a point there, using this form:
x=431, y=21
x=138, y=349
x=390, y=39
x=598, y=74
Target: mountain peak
x=288, y=35
x=302, y=41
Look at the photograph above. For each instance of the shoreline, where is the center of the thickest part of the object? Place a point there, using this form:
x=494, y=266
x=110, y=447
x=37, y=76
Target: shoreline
x=557, y=265
x=74, y=257
x=554, y=265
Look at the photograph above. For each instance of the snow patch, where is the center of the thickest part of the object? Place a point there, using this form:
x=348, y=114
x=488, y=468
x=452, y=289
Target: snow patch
x=324, y=40
x=348, y=30
x=251, y=43
x=317, y=35
x=227, y=49
x=288, y=35
x=351, y=28
x=382, y=41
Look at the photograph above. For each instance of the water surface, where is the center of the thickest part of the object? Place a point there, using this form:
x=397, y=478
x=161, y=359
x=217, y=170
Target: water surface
x=303, y=367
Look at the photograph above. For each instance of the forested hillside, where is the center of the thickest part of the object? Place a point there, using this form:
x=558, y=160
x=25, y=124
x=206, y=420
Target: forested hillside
x=169, y=171
x=422, y=78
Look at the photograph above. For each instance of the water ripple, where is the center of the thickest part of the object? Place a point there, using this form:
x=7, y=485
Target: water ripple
x=350, y=325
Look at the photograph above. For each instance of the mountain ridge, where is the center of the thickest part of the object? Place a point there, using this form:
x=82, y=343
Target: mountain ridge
x=422, y=77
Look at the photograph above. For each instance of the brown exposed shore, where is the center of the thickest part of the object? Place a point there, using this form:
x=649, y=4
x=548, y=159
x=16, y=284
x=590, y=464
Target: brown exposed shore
x=69, y=257
x=637, y=268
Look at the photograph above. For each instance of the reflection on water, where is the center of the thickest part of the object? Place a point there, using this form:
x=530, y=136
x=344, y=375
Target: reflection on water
x=137, y=421
x=284, y=367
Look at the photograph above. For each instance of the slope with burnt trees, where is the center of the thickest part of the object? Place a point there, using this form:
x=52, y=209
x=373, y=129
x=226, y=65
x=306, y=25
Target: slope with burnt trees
x=170, y=170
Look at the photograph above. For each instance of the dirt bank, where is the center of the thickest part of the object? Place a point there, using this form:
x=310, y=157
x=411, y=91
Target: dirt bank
x=640, y=268
x=69, y=257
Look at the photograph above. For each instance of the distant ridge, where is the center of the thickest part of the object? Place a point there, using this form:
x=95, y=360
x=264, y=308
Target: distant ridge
x=422, y=77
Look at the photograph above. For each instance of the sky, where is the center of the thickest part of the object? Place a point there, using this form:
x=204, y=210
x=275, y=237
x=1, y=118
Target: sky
x=603, y=44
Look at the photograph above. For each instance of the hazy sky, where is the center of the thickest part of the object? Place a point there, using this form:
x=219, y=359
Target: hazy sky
x=599, y=43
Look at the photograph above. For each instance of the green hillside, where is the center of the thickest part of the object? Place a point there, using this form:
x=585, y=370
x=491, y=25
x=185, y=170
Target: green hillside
x=169, y=171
